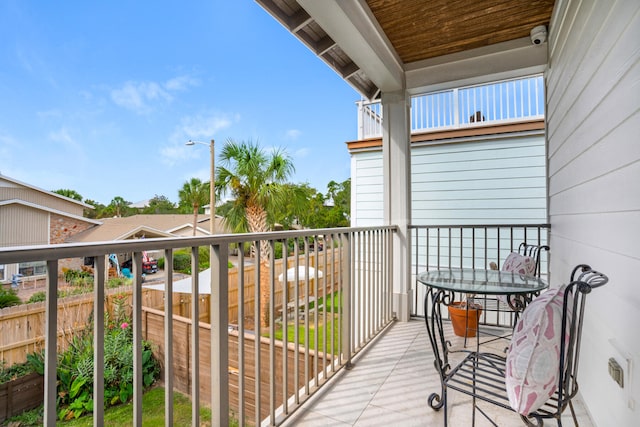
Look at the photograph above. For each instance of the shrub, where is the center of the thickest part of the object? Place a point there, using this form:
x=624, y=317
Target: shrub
x=8, y=298
x=37, y=297
x=14, y=371
x=75, y=368
x=182, y=262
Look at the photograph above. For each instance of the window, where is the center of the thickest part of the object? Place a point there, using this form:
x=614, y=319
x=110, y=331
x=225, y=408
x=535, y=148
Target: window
x=2, y=269
x=34, y=268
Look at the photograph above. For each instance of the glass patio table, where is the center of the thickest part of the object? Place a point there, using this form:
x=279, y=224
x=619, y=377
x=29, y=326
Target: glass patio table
x=442, y=286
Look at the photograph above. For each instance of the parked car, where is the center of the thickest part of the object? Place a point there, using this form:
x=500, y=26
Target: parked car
x=149, y=265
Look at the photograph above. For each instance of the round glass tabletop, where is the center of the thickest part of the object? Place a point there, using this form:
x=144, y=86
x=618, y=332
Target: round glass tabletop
x=474, y=281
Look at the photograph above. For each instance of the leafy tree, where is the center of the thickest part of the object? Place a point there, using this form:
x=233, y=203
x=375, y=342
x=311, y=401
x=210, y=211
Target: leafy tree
x=330, y=210
x=159, y=205
x=118, y=207
x=194, y=193
x=340, y=194
x=293, y=210
x=72, y=194
x=98, y=210
x=255, y=181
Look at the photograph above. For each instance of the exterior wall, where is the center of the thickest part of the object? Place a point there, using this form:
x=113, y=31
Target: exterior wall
x=9, y=191
x=64, y=227
x=593, y=118
x=492, y=181
x=22, y=225
x=367, y=207
x=495, y=180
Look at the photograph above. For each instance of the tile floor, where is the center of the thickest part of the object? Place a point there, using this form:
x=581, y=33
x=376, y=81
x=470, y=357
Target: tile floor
x=389, y=386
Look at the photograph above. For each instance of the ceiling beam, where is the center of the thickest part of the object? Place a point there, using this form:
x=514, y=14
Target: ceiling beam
x=352, y=26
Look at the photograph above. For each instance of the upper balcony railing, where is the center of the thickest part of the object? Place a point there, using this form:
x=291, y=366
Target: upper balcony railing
x=495, y=103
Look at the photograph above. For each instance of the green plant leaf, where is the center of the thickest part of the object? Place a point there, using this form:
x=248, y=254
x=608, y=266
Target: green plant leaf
x=76, y=386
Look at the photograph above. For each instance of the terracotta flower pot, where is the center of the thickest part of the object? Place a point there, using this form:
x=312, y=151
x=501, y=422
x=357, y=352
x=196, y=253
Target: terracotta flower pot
x=463, y=320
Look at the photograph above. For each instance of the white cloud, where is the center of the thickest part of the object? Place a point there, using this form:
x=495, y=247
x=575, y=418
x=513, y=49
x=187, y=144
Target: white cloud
x=181, y=83
x=137, y=96
x=141, y=96
x=302, y=152
x=293, y=134
x=64, y=137
x=198, y=128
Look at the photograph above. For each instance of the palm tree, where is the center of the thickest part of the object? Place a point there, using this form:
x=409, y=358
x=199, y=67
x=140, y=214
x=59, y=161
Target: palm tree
x=119, y=205
x=256, y=181
x=194, y=193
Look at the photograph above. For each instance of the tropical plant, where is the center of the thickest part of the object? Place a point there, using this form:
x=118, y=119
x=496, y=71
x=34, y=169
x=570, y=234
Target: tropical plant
x=256, y=182
x=75, y=367
x=195, y=194
x=118, y=206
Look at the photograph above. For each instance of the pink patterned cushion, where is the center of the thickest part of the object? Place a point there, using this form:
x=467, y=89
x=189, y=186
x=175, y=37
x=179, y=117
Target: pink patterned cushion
x=520, y=264
x=533, y=357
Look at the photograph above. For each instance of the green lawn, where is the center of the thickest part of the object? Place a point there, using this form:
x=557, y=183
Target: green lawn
x=331, y=306
x=152, y=412
x=120, y=416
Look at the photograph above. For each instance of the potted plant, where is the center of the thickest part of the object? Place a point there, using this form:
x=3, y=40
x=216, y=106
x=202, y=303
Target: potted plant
x=464, y=319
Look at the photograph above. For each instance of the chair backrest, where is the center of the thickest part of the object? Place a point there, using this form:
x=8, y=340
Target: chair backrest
x=583, y=281
x=534, y=252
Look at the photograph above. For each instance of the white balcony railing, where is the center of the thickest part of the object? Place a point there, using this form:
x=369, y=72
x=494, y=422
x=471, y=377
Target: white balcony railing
x=249, y=374
x=495, y=103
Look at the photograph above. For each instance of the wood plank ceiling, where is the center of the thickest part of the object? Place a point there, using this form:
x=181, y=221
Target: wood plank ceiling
x=419, y=29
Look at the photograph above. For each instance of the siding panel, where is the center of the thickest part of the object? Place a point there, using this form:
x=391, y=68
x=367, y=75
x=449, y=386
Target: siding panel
x=32, y=229
x=594, y=202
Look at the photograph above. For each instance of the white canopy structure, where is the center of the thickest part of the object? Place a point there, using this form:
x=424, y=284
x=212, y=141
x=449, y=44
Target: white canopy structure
x=291, y=273
x=184, y=286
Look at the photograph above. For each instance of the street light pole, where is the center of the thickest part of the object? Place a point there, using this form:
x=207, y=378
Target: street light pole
x=212, y=190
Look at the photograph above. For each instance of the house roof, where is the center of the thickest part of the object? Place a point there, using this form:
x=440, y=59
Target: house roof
x=137, y=226
x=47, y=192
x=390, y=45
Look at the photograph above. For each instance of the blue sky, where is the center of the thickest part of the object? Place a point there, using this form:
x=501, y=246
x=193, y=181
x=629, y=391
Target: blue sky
x=100, y=97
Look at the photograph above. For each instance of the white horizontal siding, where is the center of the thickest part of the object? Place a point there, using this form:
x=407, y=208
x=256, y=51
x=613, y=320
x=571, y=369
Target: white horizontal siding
x=489, y=181
x=367, y=207
x=500, y=180
x=593, y=120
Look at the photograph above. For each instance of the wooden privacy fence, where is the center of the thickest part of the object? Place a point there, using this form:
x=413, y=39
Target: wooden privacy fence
x=22, y=327
x=330, y=275
x=153, y=331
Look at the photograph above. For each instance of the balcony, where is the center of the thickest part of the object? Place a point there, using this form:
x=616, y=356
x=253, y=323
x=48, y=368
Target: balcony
x=390, y=384
x=389, y=372
x=481, y=106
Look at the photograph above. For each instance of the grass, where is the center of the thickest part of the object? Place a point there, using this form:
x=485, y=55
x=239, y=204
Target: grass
x=320, y=329
x=333, y=303
x=122, y=415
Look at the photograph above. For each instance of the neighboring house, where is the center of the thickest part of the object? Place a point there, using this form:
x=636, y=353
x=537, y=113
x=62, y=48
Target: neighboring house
x=477, y=157
x=32, y=216
x=146, y=226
